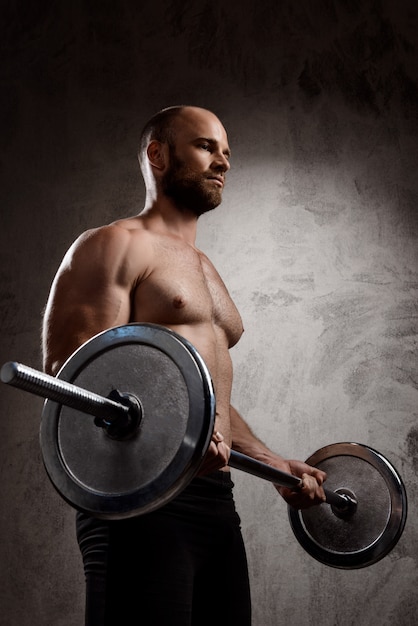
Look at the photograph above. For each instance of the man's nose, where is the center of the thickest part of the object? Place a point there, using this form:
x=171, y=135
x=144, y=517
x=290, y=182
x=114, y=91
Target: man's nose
x=221, y=162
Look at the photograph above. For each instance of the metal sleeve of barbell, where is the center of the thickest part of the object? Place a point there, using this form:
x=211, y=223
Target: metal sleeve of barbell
x=61, y=391
x=249, y=465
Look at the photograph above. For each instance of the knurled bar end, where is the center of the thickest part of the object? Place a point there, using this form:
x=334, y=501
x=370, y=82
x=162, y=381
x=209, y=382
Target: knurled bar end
x=9, y=371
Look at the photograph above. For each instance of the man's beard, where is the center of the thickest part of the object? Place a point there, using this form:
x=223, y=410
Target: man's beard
x=189, y=190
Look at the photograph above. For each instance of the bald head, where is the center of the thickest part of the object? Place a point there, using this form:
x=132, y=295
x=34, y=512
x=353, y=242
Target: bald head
x=162, y=127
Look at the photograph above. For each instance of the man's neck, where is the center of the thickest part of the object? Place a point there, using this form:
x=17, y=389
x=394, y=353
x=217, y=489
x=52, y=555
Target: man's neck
x=163, y=215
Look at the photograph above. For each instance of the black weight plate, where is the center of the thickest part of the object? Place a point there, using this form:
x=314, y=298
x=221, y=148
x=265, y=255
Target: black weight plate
x=115, y=479
x=374, y=528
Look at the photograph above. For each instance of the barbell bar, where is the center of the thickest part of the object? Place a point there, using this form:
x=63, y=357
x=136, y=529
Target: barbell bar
x=121, y=421
x=154, y=406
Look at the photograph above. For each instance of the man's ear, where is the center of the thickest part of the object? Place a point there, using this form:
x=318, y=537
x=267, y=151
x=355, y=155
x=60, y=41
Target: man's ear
x=156, y=154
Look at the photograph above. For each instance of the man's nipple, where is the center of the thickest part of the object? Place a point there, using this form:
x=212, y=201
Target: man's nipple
x=179, y=302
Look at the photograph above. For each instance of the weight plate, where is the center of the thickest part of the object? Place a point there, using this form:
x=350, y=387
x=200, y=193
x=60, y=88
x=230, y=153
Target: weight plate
x=374, y=528
x=116, y=479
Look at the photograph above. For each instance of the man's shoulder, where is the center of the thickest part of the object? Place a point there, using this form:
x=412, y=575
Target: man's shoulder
x=118, y=232
x=133, y=225
x=123, y=239
x=124, y=227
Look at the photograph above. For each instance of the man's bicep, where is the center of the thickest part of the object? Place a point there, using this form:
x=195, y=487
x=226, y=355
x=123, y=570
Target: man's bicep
x=74, y=314
x=85, y=299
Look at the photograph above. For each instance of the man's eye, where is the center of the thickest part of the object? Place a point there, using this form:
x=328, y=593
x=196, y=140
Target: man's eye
x=205, y=146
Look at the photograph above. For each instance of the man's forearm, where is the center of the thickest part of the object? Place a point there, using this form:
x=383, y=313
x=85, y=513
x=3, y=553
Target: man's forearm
x=244, y=441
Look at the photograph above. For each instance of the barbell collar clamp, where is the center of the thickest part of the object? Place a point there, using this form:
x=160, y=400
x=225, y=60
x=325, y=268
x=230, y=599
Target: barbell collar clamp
x=119, y=414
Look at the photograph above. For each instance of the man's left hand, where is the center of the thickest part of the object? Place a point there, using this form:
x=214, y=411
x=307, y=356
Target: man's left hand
x=311, y=492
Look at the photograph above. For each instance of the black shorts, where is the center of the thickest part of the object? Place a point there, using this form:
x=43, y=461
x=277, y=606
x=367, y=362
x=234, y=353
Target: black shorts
x=182, y=565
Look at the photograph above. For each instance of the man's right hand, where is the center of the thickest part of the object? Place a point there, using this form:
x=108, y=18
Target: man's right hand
x=217, y=455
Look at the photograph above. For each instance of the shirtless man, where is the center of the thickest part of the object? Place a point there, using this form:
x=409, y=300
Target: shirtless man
x=183, y=564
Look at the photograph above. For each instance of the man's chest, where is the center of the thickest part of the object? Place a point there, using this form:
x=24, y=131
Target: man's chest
x=183, y=287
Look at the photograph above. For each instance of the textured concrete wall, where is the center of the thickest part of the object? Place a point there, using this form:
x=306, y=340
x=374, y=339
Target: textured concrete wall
x=317, y=240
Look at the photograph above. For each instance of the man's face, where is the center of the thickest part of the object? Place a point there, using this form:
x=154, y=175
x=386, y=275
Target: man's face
x=199, y=160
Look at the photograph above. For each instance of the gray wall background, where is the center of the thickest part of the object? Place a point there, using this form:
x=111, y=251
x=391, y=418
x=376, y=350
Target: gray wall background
x=316, y=239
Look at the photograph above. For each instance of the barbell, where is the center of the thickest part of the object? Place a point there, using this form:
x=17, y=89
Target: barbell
x=153, y=403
